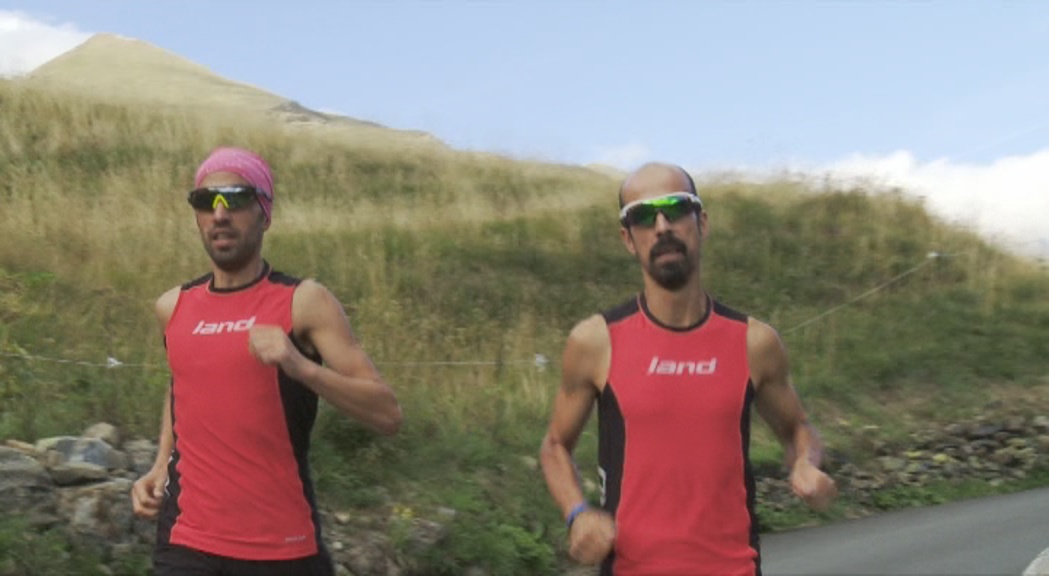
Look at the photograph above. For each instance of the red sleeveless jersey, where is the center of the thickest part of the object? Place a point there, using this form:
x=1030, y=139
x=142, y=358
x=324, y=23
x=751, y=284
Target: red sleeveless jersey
x=238, y=477
x=673, y=449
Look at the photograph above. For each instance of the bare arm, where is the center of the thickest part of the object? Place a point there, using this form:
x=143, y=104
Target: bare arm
x=584, y=365
x=148, y=491
x=164, y=308
x=778, y=404
x=347, y=378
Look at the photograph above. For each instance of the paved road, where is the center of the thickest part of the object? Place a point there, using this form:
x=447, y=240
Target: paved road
x=987, y=536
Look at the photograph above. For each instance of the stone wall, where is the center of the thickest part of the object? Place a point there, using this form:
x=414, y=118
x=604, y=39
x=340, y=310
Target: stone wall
x=81, y=486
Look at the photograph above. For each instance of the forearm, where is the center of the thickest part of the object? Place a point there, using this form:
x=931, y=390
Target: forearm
x=561, y=475
x=804, y=443
x=166, y=438
x=366, y=400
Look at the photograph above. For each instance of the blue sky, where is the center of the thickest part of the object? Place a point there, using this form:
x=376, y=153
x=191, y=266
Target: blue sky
x=931, y=94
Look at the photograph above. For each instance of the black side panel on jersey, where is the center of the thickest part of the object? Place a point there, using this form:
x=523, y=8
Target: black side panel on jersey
x=169, y=509
x=748, y=475
x=612, y=434
x=300, y=413
x=611, y=446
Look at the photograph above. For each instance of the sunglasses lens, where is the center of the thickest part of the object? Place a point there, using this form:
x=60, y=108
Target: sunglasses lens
x=677, y=209
x=642, y=215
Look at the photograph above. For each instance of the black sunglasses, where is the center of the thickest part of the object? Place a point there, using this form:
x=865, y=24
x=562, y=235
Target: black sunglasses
x=232, y=197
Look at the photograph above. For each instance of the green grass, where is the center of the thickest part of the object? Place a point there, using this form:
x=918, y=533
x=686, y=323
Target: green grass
x=446, y=257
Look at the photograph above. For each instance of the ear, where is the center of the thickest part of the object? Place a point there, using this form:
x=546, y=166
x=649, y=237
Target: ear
x=704, y=225
x=628, y=240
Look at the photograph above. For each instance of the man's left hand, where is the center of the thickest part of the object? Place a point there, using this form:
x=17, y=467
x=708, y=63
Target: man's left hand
x=271, y=345
x=812, y=485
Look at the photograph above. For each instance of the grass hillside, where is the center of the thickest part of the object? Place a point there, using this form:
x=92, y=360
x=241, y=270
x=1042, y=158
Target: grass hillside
x=457, y=270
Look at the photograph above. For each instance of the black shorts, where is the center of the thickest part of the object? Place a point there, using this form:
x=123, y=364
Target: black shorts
x=171, y=560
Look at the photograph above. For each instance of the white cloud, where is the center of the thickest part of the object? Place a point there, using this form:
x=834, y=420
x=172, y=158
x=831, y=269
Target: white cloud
x=1006, y=201
x=625, y=157
x=26, y=42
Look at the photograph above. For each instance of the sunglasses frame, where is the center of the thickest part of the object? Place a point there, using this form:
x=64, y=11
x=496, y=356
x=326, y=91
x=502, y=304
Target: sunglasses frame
x=624, y=213
x=222, y=194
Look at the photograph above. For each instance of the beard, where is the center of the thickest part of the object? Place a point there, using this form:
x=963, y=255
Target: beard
x=673, y=275
x=238, y=255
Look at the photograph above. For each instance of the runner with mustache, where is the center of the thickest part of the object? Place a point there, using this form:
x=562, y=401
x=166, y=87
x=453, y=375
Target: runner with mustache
x=674, y=374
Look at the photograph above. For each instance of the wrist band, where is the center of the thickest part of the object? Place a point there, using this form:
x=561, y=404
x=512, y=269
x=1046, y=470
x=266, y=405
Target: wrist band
x=579, y=509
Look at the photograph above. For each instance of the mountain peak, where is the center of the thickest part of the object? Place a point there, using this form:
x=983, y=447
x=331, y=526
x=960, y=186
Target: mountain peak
x=115, y=68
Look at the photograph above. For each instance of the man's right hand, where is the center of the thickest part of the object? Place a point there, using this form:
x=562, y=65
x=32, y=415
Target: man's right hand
x=591, y=537
x=148, y=492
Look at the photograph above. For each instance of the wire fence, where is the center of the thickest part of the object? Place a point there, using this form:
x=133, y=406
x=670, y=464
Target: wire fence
x=539, y=361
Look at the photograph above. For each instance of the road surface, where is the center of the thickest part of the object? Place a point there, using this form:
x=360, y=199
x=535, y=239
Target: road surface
x=986, y=536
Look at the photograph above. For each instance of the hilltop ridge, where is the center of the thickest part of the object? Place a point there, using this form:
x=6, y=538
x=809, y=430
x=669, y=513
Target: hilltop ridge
x=123, y=70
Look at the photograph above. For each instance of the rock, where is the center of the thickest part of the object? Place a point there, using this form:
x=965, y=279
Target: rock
x=891, y=463
x=23, y=447
x=342, y=517
x=67, y=449
x=982, y=431
x=1017, y=442
x=365, y=554
x=141, y=455
x=99, y=515
x=423, y=535
x=1041, y=424
x=530, y=462
x=26, y=490
x=1015, y=425
x=75, y=473
x=104, y=432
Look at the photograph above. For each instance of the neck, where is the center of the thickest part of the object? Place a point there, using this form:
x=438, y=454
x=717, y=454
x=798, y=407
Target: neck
x=230, y=279
x=677, y=309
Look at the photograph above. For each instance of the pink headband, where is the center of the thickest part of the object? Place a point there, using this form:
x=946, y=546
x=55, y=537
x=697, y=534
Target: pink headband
x=246, y=164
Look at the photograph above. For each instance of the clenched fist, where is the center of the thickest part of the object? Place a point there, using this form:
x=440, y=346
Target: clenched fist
x=591, y=537
x=812, y=485
x=271, y=345
x=147, y=492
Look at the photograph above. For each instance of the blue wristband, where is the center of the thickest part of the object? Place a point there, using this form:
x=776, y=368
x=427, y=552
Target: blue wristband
x=579, y=509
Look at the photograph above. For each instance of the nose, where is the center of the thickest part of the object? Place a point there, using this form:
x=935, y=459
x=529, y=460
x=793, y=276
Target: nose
x=220, y=213
x=662, y=224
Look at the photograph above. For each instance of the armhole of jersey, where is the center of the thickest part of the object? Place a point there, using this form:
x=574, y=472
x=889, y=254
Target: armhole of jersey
x=612, y=316
x=174, y=311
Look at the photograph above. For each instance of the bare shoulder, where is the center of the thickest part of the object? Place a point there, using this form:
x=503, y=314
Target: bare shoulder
x=761, y=337
x=587, y=354
x=165, y=305
x=314, y=304
x=591, y=333
x=766, y=353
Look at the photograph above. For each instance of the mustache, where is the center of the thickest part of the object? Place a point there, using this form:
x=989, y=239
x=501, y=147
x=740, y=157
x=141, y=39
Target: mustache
x=666, y=245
